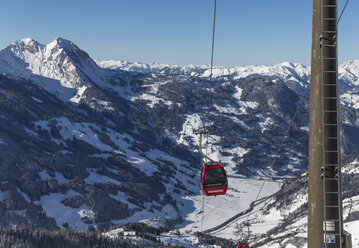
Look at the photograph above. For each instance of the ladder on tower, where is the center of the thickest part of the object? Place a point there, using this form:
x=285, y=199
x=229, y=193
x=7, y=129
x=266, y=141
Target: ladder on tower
x=331, y=169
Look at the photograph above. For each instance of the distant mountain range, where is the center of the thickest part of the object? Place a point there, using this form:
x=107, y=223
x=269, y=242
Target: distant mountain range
x=348, y=71
x=94, y=143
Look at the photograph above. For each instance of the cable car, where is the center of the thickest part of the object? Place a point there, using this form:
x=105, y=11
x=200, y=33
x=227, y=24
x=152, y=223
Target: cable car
x=214, y=180
x=242, y=245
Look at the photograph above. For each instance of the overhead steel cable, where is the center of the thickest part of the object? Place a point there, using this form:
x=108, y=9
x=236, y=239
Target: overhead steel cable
x=342, y=11
x=286, y=134
x=209, y=102
x=211, y=72
x=213, y=35
x=212, y=54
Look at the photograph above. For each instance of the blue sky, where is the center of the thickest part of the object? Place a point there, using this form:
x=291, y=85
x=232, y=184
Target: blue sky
x=178, y=31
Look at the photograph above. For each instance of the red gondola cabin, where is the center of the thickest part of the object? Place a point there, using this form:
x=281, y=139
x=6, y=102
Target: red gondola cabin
x=214, y=180
x=242, y=245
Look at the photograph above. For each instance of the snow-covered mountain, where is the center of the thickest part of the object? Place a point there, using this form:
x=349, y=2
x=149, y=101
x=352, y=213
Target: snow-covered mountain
x=92, y=144
x=348, y=71
x=95, y=160
x=60, y=60
x=290, y=72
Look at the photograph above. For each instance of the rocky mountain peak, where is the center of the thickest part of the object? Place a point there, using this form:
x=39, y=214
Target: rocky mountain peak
x=62, y=42
x=61, y=60
x=67, y=48
x=25, y=44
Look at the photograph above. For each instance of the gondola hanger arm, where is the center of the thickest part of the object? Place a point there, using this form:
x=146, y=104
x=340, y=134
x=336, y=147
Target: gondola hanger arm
x=200, y=132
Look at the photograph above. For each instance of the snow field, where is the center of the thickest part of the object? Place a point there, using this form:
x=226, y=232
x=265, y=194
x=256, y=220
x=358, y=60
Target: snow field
x=243, y=104
x=60, y=178
x=153, y=100
x=188, y=137
x=86, y=133
x=54, y=208
x=94, y=177
x=241, y=193
x=185, y=240
x=264, y=122
x=353, y=228
x=2, y=194
x=352, y=168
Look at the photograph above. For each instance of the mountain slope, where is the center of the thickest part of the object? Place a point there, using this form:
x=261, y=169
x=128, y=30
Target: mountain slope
x=282, y=221
x=95, y=162
x=85, y=146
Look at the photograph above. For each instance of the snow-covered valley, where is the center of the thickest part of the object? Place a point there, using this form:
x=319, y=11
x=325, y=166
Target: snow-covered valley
x=90, y=144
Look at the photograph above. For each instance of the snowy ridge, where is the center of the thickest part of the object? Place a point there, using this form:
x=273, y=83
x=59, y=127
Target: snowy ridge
x=286, y=70
x=290, y=72
x=61, y=60
x=152, y=67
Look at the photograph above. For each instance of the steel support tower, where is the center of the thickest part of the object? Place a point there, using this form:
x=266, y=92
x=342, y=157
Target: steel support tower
x=325, y=218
